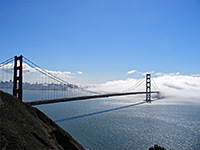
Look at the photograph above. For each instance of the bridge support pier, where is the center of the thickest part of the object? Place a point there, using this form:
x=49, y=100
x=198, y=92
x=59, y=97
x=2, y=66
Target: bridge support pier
x=17, y=79
x=148, y=88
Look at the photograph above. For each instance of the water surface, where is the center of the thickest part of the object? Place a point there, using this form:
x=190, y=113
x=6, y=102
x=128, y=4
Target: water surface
x=126, y=123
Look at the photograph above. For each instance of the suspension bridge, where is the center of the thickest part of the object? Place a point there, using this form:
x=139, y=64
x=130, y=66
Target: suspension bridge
x=19, y=74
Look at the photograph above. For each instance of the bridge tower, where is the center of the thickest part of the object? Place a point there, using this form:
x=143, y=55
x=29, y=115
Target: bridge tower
x=17, y=79
x=148, y=87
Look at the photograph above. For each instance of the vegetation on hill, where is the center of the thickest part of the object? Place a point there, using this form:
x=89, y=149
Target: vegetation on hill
x=156, y=147
x=25, y=127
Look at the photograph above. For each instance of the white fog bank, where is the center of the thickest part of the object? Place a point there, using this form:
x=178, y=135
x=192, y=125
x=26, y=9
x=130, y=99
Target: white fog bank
x=173, y=84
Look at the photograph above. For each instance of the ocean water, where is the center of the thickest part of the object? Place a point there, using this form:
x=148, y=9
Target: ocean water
x=126, y=123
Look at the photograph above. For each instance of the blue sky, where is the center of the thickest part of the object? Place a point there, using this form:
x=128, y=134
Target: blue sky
x=103, y=39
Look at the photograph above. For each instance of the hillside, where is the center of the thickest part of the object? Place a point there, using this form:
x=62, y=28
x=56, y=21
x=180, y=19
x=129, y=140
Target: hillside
x=26, y=127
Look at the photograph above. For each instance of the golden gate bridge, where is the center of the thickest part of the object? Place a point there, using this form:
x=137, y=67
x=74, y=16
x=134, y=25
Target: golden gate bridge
x=19, y=74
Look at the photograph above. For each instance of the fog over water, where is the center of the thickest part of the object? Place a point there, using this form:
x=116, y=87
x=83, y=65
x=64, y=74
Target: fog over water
x=127, y=122
x=170, y=85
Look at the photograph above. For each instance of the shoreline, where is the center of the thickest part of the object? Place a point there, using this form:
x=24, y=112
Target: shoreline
x=23, y=126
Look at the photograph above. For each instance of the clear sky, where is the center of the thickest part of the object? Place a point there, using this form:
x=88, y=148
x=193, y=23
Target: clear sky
x=104, y=39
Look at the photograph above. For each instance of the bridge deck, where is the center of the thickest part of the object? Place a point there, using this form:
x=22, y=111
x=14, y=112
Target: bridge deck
x=40, y=102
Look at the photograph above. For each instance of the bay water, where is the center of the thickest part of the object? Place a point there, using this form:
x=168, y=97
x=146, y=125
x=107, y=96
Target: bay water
x=128, y=123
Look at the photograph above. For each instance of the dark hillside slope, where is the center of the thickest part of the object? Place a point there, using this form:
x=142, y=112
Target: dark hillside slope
x=26, y=128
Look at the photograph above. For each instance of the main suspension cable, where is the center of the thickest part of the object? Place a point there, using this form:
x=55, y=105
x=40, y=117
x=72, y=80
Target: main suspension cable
x=155, y=84
x=46, y=72
x=6, y=62
x=134, y=86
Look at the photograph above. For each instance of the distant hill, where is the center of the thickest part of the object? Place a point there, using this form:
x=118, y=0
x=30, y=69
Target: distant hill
x=24, y=127
x=40, y=86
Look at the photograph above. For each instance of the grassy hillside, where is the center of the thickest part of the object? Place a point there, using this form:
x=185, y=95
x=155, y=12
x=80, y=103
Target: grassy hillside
x=25, y=127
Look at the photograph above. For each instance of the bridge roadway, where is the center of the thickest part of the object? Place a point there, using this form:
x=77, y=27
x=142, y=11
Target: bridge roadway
x=40, y=102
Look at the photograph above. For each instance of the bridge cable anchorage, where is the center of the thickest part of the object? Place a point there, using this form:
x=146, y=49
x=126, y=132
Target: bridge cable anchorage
x=6, y=62
x=135, y=86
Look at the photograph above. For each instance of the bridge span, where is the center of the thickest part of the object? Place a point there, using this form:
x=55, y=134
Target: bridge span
x=40, y=102
x=50, y=82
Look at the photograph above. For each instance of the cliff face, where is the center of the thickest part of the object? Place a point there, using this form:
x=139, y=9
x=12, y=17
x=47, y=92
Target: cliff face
x=25, y=127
